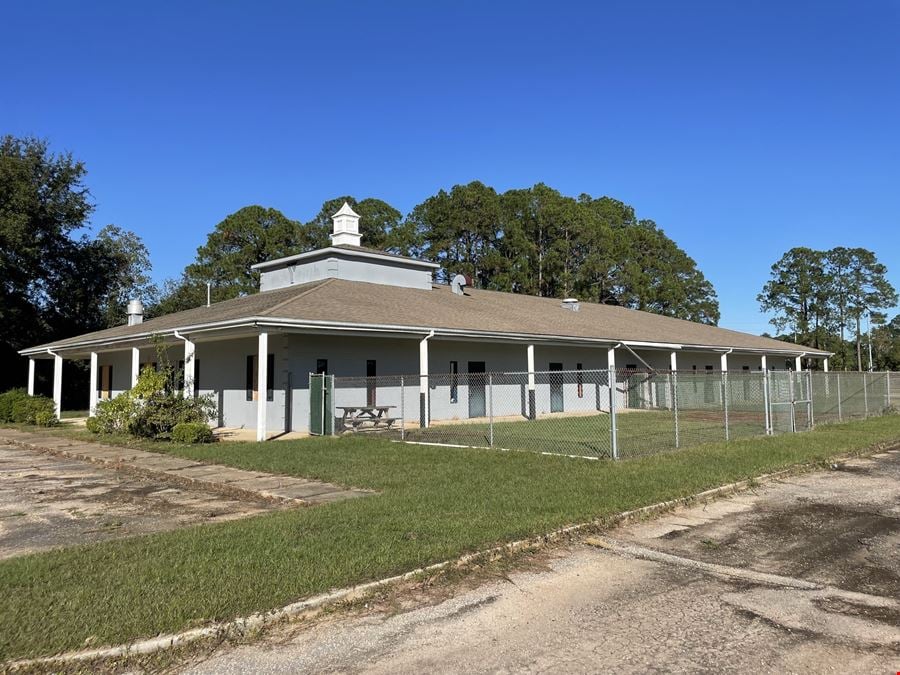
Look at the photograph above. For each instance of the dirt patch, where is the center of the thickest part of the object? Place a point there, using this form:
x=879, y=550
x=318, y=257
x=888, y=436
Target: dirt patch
x=839, y=528
x=48, y=502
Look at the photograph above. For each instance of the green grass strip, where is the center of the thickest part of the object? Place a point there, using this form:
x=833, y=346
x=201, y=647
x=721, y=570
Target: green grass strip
x=433, y=503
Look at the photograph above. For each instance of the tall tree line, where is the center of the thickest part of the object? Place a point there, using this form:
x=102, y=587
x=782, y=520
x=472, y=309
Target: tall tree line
x=535, y=241
x=55, y=280
x=820, y=298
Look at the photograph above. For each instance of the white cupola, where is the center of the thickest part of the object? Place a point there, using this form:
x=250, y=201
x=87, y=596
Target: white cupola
x=346, y=227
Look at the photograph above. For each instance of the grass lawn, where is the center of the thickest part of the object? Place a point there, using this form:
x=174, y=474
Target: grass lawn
x=640, y=432
x=433, y=503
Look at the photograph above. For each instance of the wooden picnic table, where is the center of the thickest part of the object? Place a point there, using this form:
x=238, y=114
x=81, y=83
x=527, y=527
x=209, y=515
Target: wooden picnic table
x=358, y=417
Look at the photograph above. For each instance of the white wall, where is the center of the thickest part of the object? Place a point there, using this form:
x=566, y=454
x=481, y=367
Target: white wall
x=222, y=366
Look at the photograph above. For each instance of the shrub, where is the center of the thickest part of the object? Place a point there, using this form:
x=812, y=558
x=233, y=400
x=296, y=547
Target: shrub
x=152, y=409
x=92, y=424
x=114, y=416
x=192, y=432
x=38, y=410
x=7, y=400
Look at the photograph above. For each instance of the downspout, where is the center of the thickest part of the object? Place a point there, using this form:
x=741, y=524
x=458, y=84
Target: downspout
x=424, y=417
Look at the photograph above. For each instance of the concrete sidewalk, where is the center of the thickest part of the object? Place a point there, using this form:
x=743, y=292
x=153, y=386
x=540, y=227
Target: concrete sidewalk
x=222, y=479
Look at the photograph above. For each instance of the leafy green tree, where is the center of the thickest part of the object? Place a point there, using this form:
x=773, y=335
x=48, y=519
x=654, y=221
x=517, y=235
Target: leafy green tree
x=869, y=292
x=655, y=275
x=380, y=225
x=130, y=274
x=247, y=236
x=459, y=230
x=886, y=345
x=818, y=295
x=43, y=200
x=799, y=295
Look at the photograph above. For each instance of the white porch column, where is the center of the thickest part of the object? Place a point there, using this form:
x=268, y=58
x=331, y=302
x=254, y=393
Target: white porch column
x=135, y=365
x=798, y=363
x=31, y=377
x=825, y=364
x=532, y=396
x=262, y=385
x=673, y=361
x=189, y=351
x=57, y=384
x=723, y=362
x=92, y=399
x=763, y=363
x=424, y=413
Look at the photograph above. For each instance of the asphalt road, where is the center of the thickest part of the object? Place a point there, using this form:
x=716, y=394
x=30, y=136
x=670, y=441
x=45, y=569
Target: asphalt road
x=833, y=539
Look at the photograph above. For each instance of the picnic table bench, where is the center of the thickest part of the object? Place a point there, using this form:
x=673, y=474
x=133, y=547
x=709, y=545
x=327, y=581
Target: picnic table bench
x=360, y=417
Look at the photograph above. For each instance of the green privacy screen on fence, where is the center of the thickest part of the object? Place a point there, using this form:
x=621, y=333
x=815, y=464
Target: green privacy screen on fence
x=321, y=399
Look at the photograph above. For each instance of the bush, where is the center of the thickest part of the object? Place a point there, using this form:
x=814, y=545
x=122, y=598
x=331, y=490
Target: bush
x=7, y=400
x=152, y=409
x=38, y=410
x=192, y=432
x=113, y=416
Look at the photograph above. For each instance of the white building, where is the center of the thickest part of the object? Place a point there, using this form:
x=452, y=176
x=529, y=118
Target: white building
x=352, y=311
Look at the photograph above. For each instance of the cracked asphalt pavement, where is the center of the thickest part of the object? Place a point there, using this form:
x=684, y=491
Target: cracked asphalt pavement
x=588, y=609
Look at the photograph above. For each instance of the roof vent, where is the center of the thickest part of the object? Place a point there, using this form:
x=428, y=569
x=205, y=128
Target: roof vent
x=571, y=303
x=135, y=312
x=458, y=284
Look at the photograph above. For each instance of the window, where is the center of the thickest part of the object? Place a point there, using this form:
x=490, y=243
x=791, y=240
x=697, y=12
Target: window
x=454, y=381
x=321, y=366
x=579, y=378
x=105, y=382
x=371, y=382
x=253, y=378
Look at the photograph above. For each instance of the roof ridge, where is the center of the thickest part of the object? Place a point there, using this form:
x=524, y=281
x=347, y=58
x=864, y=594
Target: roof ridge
x=307, y=291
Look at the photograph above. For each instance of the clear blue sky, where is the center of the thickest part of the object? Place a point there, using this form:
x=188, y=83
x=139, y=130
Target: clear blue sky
x=743, y=129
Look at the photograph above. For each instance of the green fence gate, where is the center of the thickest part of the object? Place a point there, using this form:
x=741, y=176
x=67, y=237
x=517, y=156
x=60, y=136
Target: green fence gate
x=321, y=404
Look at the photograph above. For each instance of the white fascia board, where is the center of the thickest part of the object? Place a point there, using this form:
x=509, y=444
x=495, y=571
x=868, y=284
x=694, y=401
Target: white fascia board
x=334, y=250
x=461, y=334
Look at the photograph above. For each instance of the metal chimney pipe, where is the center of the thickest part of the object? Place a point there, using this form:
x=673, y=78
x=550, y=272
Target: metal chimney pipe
x=135, y=312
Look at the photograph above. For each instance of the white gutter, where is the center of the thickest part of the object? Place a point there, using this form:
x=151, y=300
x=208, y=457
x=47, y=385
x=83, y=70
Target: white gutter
x=413, y=330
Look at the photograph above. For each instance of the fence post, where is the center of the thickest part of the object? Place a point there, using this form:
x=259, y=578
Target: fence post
x=809, y=400
x=767, y=412
x=613, y=436
x=675, y=407
x=402, y=410
x=837, y=378
x=725, y=401
x=888, y=390
x=491, y=408
x=865, y=396
x=793, y=402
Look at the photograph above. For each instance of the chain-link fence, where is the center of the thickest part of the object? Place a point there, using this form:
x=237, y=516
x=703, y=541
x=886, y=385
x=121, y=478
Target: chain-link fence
x=578, y=413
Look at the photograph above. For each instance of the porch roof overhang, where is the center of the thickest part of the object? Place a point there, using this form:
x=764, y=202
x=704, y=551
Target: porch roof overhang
x=249, y=326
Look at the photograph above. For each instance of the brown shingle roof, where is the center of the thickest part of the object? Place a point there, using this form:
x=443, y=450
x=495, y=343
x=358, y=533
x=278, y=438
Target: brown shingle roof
x=354, y=302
